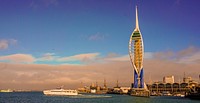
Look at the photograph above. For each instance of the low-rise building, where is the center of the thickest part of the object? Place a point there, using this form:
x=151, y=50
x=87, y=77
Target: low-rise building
x=168, y=79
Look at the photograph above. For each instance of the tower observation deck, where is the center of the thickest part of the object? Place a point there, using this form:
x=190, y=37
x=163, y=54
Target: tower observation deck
x=136, y=53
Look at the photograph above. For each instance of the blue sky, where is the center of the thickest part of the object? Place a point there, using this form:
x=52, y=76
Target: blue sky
x=83, y=32
x=70, y=27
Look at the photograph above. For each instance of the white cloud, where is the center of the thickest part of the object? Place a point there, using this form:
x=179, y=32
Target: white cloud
x=189, y=55
x=193, y=58
x=50, y=57
x=96, y=36
x=80, y=57
x=47, y=57
x=5, y=43
x=37, y=76
x=51, y=2
x=115, y=57
x=43, y=3
x=41, y=76
x=148, y=55
x=118, y=58
x=18, y=58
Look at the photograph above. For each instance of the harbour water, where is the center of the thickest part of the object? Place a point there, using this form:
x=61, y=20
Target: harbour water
x=38, y=97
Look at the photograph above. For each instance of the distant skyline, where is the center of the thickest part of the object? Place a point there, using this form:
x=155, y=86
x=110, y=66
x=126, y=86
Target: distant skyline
x=49, y=43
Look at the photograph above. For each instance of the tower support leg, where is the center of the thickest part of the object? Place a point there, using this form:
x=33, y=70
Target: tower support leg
x=141, y=78
x=135, y=83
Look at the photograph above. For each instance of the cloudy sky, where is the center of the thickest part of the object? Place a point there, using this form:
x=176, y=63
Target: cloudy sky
x=48, y=43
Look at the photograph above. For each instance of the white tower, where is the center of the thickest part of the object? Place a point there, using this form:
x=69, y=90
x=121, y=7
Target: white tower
x=136, y=53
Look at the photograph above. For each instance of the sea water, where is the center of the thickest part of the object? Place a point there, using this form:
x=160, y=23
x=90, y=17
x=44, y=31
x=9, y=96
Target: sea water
x=39, y=97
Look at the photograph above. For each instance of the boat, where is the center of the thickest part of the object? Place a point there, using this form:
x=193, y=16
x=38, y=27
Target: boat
x=195, y=94
x=6, y=90
x=179, y=95
x=60, y=91
x=166, y=93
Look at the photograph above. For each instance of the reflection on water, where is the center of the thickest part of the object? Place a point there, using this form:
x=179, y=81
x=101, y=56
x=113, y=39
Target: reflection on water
x=90, y=96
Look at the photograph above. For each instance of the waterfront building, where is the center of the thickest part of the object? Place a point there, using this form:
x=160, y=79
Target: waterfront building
x=168, y=79
x=187, y=79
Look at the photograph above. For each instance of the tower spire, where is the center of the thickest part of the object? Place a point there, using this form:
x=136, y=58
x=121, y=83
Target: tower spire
x=136, y=20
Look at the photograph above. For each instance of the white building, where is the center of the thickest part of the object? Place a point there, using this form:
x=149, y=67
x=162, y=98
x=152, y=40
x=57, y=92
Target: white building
x=187, y=79
x=168, y=79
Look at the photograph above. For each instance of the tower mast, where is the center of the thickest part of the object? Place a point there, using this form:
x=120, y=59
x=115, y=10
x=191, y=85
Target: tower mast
x=136, y=20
